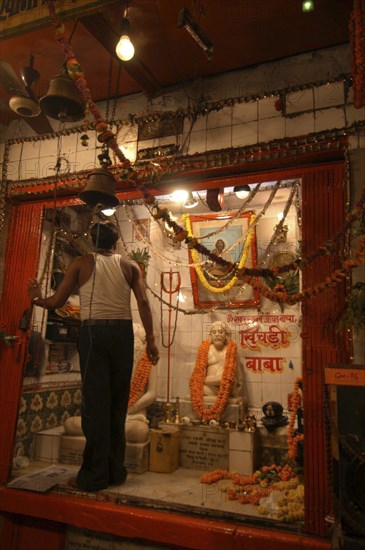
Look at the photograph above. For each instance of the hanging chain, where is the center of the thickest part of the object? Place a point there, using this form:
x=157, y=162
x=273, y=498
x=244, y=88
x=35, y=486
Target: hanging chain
x=111, y=120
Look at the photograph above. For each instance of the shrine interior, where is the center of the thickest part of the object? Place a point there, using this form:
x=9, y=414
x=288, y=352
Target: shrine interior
x=234, y=178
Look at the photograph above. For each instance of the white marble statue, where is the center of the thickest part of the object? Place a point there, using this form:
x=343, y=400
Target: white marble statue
x=136, y=427
x=219, y=337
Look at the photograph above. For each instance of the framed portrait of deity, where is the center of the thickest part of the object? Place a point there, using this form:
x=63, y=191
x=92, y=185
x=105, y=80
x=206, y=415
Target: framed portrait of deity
x=232, y=238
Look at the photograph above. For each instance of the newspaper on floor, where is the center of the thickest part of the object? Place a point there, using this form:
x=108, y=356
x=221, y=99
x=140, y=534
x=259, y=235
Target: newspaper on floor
x=43, y=479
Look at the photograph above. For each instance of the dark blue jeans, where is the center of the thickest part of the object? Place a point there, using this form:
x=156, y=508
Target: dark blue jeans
x=106, y=362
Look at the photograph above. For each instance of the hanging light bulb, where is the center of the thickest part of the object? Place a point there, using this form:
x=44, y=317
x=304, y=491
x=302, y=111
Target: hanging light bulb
x=242, y=191
x=108, y=211
x=307, y=5
x=125, y=48
x=180, y=195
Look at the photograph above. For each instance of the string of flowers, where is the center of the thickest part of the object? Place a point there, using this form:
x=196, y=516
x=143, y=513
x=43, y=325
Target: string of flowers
x=293, y=440
x=153, y=248
x=198, y=378
x=75, y=71
x=107, y=137
x=240, y=265
x=357, y=47
x=279, y=293
x=250, y=489
x=139, y=379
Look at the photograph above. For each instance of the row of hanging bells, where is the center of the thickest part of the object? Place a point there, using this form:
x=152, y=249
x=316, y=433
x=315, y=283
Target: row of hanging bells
x=63, y=102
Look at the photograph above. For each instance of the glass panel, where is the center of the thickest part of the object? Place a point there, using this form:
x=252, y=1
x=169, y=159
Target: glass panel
x=245, y=439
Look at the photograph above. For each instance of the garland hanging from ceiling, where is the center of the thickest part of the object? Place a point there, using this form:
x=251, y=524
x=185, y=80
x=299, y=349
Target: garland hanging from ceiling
x=248, y=275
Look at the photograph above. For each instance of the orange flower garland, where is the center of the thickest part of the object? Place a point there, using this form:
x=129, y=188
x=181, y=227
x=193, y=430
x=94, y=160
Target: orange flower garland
x=249, y=489
x=139, y=379
x=198, y=378
x=293, y=440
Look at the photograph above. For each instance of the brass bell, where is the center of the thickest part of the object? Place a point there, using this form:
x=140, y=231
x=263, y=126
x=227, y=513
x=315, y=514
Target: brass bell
x=100, y=189
x=63, y=100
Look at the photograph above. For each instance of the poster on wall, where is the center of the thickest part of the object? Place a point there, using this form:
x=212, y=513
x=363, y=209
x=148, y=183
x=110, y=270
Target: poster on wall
x=232, y=238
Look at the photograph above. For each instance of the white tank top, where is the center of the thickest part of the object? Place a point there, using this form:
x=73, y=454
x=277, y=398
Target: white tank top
x=106, y=295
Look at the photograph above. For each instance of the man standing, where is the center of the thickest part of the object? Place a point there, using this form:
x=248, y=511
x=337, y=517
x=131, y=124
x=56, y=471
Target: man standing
x=105, y=347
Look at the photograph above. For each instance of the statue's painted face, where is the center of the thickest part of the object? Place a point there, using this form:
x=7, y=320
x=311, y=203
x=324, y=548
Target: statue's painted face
x=218, y=335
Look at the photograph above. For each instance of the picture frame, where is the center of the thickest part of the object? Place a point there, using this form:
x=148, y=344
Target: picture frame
x=141, y=229
x=210, y=229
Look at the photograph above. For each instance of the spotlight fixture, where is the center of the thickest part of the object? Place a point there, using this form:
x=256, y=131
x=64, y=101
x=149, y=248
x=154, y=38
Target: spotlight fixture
x=191, y=201
x=215, y=199
x=242, y=191
x=187, y=21
x=125, y=49
x=307, y=5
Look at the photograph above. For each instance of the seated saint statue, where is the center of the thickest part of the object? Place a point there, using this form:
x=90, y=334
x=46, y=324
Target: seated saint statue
x=217, y=378
x=219, y=337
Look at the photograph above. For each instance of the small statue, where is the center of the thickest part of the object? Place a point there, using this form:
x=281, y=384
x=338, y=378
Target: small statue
x=252, y=424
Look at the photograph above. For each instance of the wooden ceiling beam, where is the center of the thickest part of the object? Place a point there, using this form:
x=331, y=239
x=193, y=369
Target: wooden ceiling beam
x=97, y=25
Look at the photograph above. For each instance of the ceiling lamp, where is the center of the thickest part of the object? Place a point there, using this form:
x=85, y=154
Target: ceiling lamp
x=125, y=49
x=187, y=21
x=242, y=191
x=180, y=195
x=307, y=5
x=191, y=201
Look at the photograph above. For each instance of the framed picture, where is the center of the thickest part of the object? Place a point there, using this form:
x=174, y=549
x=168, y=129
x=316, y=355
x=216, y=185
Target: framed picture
x=141, y=229
x=235, y=242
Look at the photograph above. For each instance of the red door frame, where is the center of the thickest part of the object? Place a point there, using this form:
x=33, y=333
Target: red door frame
x=323, y=209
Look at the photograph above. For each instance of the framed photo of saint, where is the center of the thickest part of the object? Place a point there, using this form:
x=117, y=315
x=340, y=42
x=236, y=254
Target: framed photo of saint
x=233, y=239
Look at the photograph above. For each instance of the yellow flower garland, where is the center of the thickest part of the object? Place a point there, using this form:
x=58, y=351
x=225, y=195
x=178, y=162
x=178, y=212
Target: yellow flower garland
x=198, y=269
x=139, y=379
x=198, y=378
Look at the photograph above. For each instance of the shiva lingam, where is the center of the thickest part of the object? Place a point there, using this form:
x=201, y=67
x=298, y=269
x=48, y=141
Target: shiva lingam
x=273, y=416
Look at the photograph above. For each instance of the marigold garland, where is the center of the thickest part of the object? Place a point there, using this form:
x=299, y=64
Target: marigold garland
x=107, y=137
x=250, y=489
x=139, y=379
x=198, y=378
x=293, y=440
x=241, y=264
x=280, y=295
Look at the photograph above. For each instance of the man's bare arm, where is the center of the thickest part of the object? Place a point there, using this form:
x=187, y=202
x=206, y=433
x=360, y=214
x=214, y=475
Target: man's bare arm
x=59, y=298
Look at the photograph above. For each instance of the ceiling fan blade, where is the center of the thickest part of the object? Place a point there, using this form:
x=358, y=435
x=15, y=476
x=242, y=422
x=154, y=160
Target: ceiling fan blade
x=10, y=81
x=40, y=124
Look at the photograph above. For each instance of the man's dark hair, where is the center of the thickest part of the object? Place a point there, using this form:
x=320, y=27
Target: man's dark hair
x=104, y=235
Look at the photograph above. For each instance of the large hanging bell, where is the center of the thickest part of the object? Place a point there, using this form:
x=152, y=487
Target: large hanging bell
x=100, y=189
x=63, y=100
